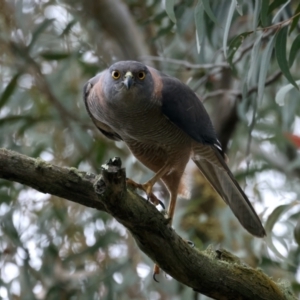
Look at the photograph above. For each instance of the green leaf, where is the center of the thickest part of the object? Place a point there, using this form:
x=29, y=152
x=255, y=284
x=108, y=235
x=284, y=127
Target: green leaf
x=265, y=63
x=9, y=90
x=264, y=13
x=239, y=7
x=294, y=49
x=8, y=227
x=227, y=26
x=280, y=11
x=295, y=19
x=207, y=8
x=275, y=215
x=256, y=12
x=281, y=94
x=234, y=45
x=40, y=29
x=297, y=233
x=54, y=55
x=169, y=8
x=280, y=50
x=254, y=62
x=275, y=4
x=163, y=31
x=20, y=118
x=272, y=219
x=209, y=29
x=199, y=22
x=68, y=27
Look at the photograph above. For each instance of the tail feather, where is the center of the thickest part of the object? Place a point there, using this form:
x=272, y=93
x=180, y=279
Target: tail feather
x=214, y=168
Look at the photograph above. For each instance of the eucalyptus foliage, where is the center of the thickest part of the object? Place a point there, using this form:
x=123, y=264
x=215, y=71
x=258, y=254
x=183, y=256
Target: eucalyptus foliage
x=241, y=58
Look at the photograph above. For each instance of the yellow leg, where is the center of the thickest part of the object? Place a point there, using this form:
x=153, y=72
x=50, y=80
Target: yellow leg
x=171, y=208
x=150, y=183
x=147, y=186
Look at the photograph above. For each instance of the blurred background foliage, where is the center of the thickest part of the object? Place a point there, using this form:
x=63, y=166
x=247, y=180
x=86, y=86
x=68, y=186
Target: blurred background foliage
x=239, y=56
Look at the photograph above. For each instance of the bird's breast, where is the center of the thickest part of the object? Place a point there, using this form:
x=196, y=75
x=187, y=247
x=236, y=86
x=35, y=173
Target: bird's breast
x=153, y=129
x=143, y=121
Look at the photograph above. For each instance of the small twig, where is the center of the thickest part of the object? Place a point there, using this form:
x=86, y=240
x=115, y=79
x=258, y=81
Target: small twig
x=280, y=24
x=220, y=92
x=190, y=65
x=220, y=65
x=238, y=94
x=185, y=63
x=269, y=81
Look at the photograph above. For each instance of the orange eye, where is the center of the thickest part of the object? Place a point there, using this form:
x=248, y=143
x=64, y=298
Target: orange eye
x=115, y=74
x=141, y=75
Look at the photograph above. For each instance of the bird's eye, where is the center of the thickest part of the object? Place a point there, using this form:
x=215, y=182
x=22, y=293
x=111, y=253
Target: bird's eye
x=115, y=74
x=141, y=75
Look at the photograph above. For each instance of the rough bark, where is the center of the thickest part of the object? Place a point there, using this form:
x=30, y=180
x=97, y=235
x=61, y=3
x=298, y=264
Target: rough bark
x=217, y=274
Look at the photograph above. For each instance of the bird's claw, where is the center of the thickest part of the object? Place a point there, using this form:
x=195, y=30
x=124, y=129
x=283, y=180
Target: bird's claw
x=155, y=200
x=190, y=243
x=161, y=204
x=154, y=278
x=156, y=271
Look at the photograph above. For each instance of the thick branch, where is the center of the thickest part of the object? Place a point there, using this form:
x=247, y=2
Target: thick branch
x=217, y=274
x=67, y=183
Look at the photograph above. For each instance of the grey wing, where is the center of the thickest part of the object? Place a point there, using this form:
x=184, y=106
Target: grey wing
x=183, y=108
x=90, y=100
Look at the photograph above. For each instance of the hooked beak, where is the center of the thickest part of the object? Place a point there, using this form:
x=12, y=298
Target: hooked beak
x=128, y=81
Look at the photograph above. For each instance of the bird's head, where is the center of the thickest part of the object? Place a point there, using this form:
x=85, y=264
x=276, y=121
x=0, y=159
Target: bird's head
x=128, y=81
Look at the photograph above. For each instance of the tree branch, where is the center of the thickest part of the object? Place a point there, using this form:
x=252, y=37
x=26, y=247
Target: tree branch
x=68, y=183
x=217, y=274
x=238, y=94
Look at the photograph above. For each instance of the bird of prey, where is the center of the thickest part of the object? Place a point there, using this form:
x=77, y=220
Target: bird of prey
x=164, y=124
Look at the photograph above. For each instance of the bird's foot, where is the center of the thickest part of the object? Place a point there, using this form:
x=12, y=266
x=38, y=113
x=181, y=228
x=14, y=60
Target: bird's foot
x=191, y=243
x=134, y=184
x=156, y=271
x=147, y=188
x=155, y=200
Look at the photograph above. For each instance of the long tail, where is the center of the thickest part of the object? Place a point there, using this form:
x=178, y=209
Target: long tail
x=213, y=166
